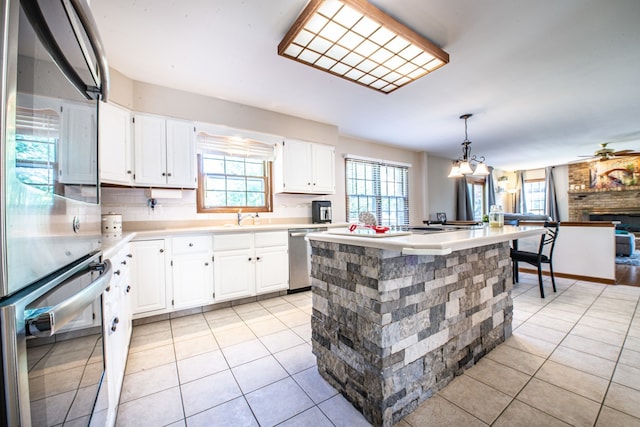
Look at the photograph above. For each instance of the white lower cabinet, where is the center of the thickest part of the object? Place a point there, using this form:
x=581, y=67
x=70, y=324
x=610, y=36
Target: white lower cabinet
x=148, y=279
x=234, y=274
x=189, y=271
x=247, y=264
x=272, y=269
x=117, y=327
x=192, y=271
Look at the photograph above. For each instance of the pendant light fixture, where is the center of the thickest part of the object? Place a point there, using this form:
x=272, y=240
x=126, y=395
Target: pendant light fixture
x=464, y=165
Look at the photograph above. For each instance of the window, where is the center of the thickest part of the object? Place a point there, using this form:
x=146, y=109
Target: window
x=37, y=138
x=478, y=197
x=379, y=188
x=228, y=183
x=534, y=191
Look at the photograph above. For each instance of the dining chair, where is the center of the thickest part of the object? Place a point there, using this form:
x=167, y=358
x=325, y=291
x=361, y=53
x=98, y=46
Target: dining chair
x=548, y=239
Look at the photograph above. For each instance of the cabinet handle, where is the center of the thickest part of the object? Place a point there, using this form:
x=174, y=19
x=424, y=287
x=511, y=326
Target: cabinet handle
x=114, y=324
x=129, y=172
x=258, y=258
x=190, y=245
x=206, y=264
x=129, y=255
x=308, y=183
x=314, y=183
x=250, y=259
x=124, y=262
x=161, y=250
x=128, y=289
x=169, y=174
x=117, y=272
x=107, y=289
x=164, y=174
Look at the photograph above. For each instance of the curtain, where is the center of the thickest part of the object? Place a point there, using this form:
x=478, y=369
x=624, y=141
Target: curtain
x=491, y=189
x=464, y=211
x=551, y=202
x=520, y=199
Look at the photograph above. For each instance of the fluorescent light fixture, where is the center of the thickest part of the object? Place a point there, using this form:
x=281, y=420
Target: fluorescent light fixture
x=357, y=41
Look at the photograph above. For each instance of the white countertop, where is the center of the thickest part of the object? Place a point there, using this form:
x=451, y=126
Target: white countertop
x=220, y=229
x=442, y=243
x=111, y=246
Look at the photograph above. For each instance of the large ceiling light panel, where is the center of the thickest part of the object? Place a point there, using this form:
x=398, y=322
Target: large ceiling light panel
x=355, y=40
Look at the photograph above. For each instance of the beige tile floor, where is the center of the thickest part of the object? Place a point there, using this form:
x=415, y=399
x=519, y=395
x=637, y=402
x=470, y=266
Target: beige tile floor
x=573, y=359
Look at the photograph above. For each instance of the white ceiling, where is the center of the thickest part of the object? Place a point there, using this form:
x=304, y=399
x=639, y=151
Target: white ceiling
x=546, y=81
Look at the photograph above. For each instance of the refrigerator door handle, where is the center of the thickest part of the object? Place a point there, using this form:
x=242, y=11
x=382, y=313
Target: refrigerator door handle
x=47, y=321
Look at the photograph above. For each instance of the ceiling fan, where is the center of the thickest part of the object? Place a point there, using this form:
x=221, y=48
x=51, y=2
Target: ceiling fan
x=605, y=153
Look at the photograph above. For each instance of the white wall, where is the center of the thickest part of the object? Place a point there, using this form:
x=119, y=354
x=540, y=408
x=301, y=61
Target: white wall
x=144, y=97
x=441, y=191
x=587, y=252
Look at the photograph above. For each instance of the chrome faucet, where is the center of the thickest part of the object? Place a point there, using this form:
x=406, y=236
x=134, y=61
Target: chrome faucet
x=242, y=217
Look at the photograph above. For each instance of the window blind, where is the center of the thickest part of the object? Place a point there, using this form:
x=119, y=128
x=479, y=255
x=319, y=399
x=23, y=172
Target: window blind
x=234, y=147
x=379, y=188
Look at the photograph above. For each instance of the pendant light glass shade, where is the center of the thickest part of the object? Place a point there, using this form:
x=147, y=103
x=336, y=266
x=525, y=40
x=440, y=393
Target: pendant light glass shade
x=465, y=168
x=481, y=170
x=455, y=172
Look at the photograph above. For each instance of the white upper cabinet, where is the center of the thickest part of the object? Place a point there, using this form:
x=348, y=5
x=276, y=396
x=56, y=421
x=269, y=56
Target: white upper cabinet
x=116, y=151
x=305, y=167
x=323, y=167
x=181, y=154
x=79, y=124
x=164, y=152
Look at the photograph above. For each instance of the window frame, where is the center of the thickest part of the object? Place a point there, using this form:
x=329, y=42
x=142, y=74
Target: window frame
x=377, y=195
x=200, y=193
x=482, y=182
x=527, y=197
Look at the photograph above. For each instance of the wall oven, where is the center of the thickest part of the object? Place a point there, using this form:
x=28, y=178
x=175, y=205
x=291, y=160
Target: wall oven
x=54, y=73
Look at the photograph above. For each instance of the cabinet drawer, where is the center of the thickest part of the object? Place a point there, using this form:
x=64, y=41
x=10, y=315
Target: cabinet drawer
x=229, y=242
x=190, y=244
x=271, y=238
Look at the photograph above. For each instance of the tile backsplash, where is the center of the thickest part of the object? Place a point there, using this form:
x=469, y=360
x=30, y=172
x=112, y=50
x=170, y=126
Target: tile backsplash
x=132, y=204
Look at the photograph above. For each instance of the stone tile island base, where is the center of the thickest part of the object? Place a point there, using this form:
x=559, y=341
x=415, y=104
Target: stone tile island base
x=389, y=331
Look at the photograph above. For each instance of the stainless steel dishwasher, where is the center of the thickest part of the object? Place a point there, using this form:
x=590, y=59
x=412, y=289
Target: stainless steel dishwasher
x=300, y=258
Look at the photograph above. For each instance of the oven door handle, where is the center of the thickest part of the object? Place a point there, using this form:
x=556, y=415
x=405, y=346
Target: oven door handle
x=49, y=322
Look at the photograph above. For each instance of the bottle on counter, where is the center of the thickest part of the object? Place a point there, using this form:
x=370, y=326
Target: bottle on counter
x=496, y=216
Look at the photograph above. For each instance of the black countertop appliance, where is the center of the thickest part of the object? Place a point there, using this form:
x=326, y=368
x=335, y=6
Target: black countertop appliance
x=321, y=211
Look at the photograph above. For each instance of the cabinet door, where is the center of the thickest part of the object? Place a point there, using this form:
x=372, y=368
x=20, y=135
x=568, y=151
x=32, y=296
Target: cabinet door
x=115, y=144
x=150, y=150
x=297, y=166
x=181, y=154
x=272, y=269
x=148, y=283
x=192, y=281
x=78, y=160
x=234, y=274
x=323, y=166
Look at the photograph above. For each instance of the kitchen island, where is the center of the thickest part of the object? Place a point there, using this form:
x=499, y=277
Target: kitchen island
x=396, y=318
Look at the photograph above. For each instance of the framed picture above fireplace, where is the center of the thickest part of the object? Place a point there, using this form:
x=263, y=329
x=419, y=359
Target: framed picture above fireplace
x=614, y=173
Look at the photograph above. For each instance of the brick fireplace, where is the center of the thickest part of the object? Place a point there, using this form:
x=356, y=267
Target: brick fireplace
x=587, y=204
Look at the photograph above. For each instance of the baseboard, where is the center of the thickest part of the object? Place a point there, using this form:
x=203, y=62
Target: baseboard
x=570, y=276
